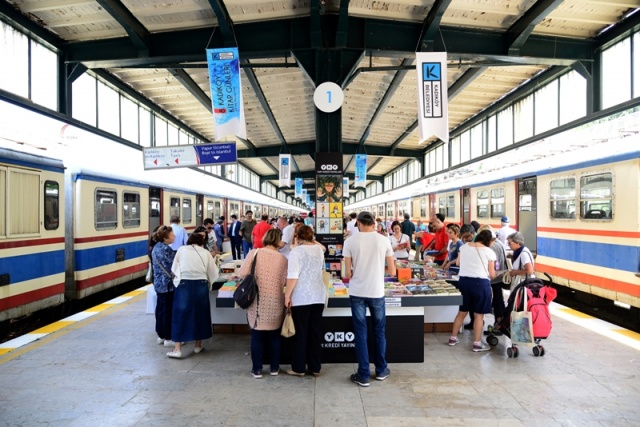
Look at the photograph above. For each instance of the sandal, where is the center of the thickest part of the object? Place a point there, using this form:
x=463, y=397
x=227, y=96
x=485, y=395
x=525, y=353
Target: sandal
x=176, y=354
x=197, y=350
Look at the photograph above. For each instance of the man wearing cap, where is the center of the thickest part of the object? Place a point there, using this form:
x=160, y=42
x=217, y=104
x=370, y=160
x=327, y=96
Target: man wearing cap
x=365, y=254
x=179, y=232
x=505, y=231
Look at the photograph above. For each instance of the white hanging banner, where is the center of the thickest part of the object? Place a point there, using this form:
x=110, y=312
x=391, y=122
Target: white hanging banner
x=226, y=92
x=285, y=170
x=433, y=105
x=345, y=186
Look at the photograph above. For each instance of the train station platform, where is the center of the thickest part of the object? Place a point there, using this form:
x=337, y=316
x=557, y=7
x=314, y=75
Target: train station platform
x=104, y=368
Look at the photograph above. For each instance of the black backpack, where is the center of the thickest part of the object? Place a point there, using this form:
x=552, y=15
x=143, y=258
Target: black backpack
x=247, y=290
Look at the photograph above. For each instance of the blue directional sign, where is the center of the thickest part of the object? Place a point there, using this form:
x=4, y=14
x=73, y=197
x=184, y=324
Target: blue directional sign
x=190, y=155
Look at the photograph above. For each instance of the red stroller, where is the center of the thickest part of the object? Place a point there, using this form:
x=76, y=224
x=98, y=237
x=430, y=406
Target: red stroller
x=539, y=295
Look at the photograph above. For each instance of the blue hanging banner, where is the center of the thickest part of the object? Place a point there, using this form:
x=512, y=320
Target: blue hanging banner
x=298, y=188
x=361, y=171
x=345, y=186
x=226, y=92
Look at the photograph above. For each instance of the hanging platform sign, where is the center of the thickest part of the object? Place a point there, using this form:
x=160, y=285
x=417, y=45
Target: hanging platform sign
x=285, y=170
x=184, y=156
x=226, y=92
x=433, y=105
x=361, y=171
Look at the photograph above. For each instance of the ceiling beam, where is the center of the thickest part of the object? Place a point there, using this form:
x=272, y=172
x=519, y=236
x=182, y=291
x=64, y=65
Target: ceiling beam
x=431, y=25
x=520, y=31
x=137, y=32
x=308, y=148
x=279, y=38
x=257, y=89
x=225, y=24
x=343, y=24
x=185, y=80
x=463, y=81
x=402, y=137
x=12, y=16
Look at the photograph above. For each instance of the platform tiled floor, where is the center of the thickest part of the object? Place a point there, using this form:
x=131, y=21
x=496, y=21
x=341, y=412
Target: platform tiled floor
x=108, y=371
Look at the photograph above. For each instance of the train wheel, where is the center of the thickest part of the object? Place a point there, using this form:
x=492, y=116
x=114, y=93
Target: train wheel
x=541, y=351
x=492, y=340
x=536, y=351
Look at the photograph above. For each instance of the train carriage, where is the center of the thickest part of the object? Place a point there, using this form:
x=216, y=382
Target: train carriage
x=107, y=233
x=31, y=233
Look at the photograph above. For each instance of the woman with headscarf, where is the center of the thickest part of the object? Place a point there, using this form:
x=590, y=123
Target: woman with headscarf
x=194, y=270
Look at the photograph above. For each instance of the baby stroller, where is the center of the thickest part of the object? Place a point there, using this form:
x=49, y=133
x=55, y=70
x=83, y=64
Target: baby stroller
x=539, y=295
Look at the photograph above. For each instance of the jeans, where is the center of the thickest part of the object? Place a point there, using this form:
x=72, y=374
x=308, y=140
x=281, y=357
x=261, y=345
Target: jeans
x=257, y=348
x=307, y=342
x=246, y=247
x=378, y=321
x=164, y=309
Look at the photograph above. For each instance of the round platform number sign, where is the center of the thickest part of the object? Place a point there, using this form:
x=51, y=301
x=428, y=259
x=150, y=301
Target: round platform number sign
x=328, y=97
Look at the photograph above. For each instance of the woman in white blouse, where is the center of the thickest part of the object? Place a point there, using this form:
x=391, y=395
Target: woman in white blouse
x=194, y=270
x=306, y=294
x=400, y=243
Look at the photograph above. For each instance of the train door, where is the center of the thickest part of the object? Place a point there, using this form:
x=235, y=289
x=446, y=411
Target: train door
x=528, y=211
x=433, y=207
x=155, y=208
x=466, y=211
x=199, y=209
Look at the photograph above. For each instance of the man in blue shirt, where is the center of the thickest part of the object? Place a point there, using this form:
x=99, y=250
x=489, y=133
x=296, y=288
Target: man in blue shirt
x=219, y=234
x=179, y=231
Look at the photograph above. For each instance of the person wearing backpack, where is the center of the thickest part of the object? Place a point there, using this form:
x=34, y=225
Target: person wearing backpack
x=266, y=313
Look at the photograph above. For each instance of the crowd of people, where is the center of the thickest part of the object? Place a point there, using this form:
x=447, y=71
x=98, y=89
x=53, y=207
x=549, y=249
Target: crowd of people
x=289, y=265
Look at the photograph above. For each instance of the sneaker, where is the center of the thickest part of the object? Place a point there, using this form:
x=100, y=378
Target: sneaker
x=384, y=375
x=355, y=378
x=197, y=350
x=175, y=354
x=159, y=340
x=480, y=347
x=294, y=373
x=169, y=343
x=453, y=341
x=274, y=373
x=256, y=374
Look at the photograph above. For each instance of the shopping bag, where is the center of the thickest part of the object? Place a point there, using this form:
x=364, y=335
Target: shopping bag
x=522, y=326
x=226, y=246
x=288, y=330
x=152, y=299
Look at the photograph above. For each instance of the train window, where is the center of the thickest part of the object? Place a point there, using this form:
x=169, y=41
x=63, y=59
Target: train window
x=130, y=210
x=23, y=202
x=423, y=207
x=497, y=202
x=562, y=198
x=217, y=209
x=174, y=206
x=446, y=206
x=234, y=208
x=483, y=204
x=106, y=209
x=51, y=205
x=186, y=211
x=596, y=196
x=210, y=209
x=381, y=211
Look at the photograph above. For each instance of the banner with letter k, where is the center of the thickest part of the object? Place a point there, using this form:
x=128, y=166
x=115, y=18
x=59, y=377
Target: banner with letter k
x=433, y=106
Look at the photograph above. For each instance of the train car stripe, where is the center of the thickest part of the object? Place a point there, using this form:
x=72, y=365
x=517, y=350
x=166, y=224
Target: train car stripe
x=104, y=255
x=601, y=282
x=27, y=297
x=102, y=179
x=32, y=266
x=33, y=242
x=96, y=280
x=617, y=257
x=607, y=233
x=110, y=237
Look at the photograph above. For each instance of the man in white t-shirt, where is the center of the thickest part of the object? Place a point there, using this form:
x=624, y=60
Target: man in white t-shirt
x=505, y=231
x=352, y=226
x=287, y=235
x=365, y=254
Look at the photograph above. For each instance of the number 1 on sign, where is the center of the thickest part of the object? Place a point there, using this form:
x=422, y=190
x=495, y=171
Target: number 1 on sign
x=329, y=96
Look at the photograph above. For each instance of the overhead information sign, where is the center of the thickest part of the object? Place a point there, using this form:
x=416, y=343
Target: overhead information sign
x=183, y=156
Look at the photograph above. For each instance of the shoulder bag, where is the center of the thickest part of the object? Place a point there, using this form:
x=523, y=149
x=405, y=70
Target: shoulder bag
x=247, y=290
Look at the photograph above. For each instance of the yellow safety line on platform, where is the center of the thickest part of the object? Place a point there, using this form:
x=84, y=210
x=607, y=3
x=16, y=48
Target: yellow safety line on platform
x=63, y=327
x=52, y=327
x=627, y=333
x=576, y=313
x=98, y=308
